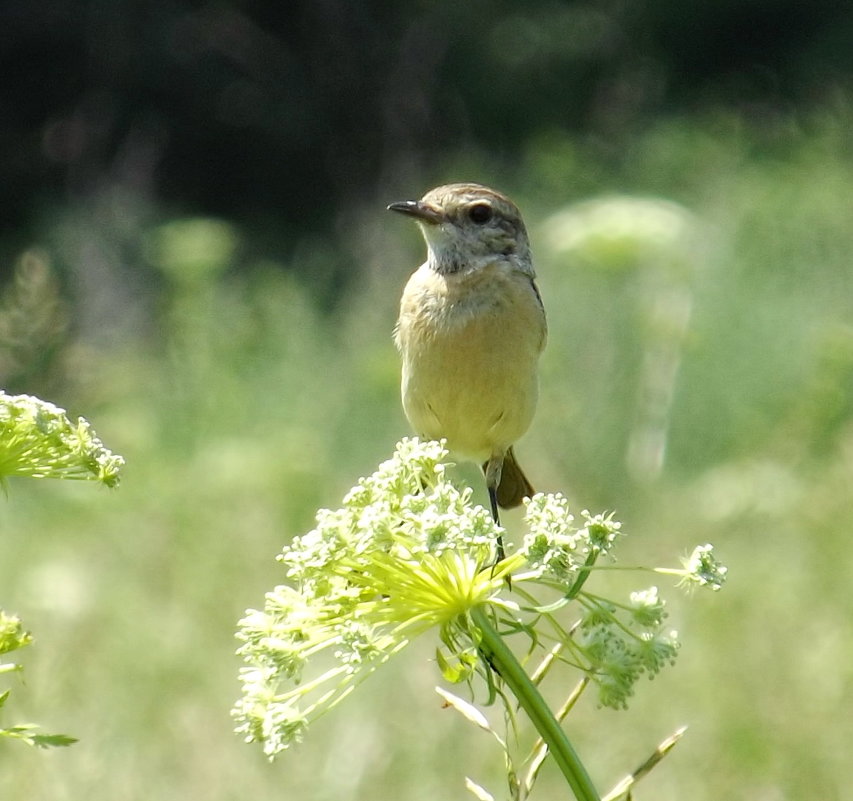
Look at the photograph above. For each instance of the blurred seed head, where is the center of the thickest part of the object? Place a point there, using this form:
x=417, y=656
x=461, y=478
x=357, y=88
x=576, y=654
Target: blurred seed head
x=192, y=250
x=621, y=233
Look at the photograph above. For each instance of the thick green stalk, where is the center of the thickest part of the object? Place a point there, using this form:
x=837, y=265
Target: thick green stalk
x=503, y=661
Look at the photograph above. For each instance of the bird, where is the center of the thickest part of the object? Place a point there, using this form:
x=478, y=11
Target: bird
x=470, y=332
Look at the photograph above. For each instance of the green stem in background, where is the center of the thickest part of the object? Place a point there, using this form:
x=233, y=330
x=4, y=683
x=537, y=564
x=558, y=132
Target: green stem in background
x=503, y=661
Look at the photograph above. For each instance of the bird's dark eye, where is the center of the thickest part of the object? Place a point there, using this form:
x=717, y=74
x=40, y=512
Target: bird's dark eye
x=480, y=213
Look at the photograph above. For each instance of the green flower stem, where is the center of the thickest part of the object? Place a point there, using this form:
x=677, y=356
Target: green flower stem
x=583, y=575
x=502, y=659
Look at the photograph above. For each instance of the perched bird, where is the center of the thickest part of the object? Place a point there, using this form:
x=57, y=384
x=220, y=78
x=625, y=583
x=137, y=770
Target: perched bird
x=470, y=332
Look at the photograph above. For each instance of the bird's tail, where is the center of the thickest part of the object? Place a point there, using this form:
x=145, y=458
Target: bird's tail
x=514, y=486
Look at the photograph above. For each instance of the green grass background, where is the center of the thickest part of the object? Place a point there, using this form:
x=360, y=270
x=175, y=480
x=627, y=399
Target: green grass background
x=246, y=402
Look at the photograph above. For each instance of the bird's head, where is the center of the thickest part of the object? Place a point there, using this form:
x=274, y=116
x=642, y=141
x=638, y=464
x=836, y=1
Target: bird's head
x=468, y=226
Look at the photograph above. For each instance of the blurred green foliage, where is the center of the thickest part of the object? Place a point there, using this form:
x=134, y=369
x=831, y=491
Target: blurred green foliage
x=199, y=262
x=712, y=328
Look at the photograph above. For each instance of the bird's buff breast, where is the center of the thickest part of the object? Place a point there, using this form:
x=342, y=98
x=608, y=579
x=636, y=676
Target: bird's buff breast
x=470, y=347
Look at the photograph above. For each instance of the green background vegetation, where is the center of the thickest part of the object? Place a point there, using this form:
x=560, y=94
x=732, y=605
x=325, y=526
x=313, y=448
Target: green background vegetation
x=216, y=293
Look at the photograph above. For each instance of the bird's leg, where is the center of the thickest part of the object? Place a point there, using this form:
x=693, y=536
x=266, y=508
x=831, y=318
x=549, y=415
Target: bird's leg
x=493, y=500
x=492, y=469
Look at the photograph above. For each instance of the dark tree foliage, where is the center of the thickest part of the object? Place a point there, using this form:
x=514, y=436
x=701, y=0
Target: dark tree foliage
x=271, y=113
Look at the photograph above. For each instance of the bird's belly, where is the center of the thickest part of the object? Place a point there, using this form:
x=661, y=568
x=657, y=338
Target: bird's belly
x=472, y=380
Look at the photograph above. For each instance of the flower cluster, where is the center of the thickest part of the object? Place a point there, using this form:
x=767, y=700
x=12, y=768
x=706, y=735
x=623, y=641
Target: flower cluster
x=38, y=440
x=409, y=551
x=558, y=549
x=406, y=552
x=614, y=644
x=12, y=635
x=703, y=569
x=618, y=644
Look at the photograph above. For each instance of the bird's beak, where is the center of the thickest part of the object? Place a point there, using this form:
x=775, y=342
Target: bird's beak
x=419, y=210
